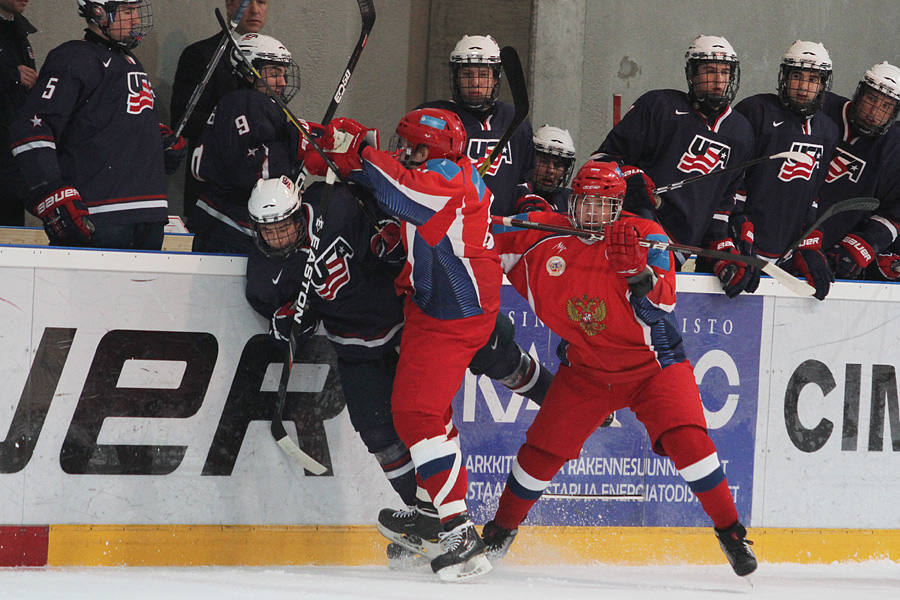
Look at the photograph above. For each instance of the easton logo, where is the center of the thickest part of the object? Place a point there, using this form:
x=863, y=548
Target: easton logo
x=704, y=155
x=140, y=93
x=845, y=164
x=791, y=169
x=332, y=270
x=479, y=150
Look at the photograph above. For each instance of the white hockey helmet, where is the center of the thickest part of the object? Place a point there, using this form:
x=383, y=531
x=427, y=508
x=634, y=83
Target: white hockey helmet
x=874, y=118
x=479, y=50
x=263, y=50
x=103, y=14
x=804, y=56
x=277, y=218
x=553, y=147
x=711, y=48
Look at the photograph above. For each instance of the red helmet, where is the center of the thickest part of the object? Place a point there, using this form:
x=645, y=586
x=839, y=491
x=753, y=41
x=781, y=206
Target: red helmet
x=598, y=192
x=440, y=130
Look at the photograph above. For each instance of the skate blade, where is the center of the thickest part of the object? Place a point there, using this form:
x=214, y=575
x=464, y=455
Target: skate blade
x=407, y=561
x=477, y=566
x=419, y=546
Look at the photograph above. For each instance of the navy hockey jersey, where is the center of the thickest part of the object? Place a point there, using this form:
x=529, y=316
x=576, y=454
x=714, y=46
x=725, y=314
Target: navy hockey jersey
x=509, y=176
x=670, y=141
x=247, y=138
x=861, y=166
x=352, y=292
x=780, y=195
x=91, y=123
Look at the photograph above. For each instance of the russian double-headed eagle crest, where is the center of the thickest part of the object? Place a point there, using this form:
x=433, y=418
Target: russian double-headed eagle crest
x=587, y=312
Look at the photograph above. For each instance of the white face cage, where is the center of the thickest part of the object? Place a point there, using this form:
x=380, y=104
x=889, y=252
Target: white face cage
x=594, y=212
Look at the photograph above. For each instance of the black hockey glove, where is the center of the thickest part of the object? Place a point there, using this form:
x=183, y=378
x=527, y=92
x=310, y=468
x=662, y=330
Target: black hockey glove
x=283, y=321
x=639, y=196
x=174, y=147
x=65, y=218
x=851, y=256
x=809, y=262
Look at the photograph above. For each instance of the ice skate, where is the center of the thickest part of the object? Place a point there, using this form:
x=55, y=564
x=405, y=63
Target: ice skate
x=497, y=540
x=463, y=552
x=736, y=547
x=415, y=528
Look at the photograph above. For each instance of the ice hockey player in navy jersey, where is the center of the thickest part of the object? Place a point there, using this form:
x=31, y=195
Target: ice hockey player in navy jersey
x=554, y=152
x=475, y=75
x=779, y=197
x=351, y=294
x=865, y=164
x=247, y=138
x=88, y=141
x=669, y=135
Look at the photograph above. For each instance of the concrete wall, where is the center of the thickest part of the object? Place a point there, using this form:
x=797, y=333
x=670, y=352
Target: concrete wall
x=577, y=53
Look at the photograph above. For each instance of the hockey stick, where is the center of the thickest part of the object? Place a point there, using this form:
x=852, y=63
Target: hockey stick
x=367, y=12
x=797, y=286
x=794, y=156
x=213, y=63
x=509, y=58
x=861, y=203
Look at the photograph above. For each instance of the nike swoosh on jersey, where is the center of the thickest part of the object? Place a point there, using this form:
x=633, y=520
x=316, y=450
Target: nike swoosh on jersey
x=494, y=343
x=107, y=61
x=776, y=123
x=277, y=279
x=682, y=112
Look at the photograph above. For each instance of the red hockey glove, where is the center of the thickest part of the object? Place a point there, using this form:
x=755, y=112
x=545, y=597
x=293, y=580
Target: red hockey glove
x=626, y=256
x=65, y=217
x=531, y=202
x=344, y=140
x=387, y=244
x=809, y=262
x=889, y=266
x=639, y=196
x=306, y=154
x=850, y=256
x=734, y=275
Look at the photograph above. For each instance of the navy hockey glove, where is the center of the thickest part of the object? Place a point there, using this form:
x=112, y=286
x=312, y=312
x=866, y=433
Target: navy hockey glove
x=626, y=256
x=889, y=266
x=283, y=321
x=531, y=202
x=65, y=218
x=809, y=262
x=850, y=256
x=387, y=243
x=742, y=234
x=174, y=147
x=639, y=196
x=733, y=275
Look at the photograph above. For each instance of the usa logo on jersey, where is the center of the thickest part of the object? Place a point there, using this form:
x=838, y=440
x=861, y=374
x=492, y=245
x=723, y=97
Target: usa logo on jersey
x=845, y=164
x=704, y=155
x=791, y=169
x=332, y=269
x=479, y=150
x=140, y=93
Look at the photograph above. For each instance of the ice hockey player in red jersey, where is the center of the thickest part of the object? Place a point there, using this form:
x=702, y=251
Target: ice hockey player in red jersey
x=88, y=141
x=453, y=278
x=612, y=302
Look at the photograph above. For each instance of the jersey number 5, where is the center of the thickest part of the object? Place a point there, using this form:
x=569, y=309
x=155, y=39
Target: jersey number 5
x=51, y=87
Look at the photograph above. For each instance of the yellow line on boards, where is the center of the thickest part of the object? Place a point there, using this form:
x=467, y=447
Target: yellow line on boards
x=200, y=545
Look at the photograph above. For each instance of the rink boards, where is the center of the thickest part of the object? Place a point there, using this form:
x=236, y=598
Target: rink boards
x=138, y=388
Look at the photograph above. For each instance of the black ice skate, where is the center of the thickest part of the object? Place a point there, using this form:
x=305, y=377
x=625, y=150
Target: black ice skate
x=403, y=559
x=415, y=528
x=497, y=540
x=736, y=547
x=463, y=552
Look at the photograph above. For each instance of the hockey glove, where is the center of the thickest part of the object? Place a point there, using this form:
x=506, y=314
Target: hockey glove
x=531, y=202
x=282, y=322
x=850, y=256
x=733, y=275
x=810, y=263
x=65, y=218
x=344, y=140
x=174, y=147
x=306, y=154
x=626, y=256
x=889, y=266
x=387, y=243
x=639, y=196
